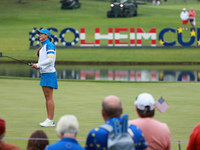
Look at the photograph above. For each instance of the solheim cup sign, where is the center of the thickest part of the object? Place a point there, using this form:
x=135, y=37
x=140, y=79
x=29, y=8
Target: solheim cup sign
x=132, y=37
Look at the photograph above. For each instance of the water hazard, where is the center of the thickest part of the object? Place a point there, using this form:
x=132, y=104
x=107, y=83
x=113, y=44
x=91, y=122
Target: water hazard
x=118, y=73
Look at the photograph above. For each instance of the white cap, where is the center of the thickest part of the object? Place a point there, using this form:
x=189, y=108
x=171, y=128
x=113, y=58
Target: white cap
x=143, y=100
x=184, y=9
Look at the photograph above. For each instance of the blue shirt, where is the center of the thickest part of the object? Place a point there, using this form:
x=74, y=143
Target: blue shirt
x=65, y=144
x=97, y=138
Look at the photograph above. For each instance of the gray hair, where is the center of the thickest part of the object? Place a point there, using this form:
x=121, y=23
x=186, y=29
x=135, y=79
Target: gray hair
x=67, y=125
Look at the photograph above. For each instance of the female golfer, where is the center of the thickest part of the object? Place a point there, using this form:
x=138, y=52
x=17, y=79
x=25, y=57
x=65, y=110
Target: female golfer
x=46, y=63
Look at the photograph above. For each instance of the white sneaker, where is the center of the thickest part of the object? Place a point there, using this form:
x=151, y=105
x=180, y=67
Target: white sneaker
x=48, y=123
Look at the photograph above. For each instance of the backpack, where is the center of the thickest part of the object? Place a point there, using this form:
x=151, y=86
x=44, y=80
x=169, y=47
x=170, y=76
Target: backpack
x=120, y=136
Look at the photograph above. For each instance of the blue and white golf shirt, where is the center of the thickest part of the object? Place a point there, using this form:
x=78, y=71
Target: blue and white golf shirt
x=47, y=57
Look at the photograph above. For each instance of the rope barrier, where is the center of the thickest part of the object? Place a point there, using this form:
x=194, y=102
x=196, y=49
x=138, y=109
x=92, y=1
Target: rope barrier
x=19, y=138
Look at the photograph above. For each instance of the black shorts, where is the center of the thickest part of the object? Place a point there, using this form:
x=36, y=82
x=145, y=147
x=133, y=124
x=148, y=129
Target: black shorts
x=191, y=20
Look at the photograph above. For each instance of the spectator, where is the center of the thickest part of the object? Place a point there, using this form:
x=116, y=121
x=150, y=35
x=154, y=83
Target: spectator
x=156, y=133
x=37, y=141
x=112, y=109
x=158, y=2
x=4, y=145
x=192, y=15
x=194, y=140
x=184, y=17
x=154, y=2
x=165, y=1
x=67, y=129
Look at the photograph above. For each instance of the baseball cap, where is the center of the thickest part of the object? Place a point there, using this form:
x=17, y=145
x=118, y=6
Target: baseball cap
x=2, y=126
x=184, y=8
x=44, y=31
x=143, y=100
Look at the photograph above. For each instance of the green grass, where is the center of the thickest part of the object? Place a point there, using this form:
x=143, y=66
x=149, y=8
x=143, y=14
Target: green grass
x=22, y=102
x=23, y=106
x=17, y=20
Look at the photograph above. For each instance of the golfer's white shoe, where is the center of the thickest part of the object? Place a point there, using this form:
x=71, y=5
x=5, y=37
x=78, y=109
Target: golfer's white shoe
x=48, y=123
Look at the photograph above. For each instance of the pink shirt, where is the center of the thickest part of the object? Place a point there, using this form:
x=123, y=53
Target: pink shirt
x=157, y=134
x=5, y=146
x=192, y=14
x=194, y=142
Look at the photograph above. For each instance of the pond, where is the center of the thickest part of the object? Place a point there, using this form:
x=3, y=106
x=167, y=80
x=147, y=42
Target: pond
x=118, y=73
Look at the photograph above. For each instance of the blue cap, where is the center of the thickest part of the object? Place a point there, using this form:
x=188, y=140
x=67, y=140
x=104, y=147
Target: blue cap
x=44, y=31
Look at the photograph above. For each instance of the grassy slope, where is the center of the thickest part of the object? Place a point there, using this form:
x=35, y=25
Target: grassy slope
x=17, y=20
x=24, y=108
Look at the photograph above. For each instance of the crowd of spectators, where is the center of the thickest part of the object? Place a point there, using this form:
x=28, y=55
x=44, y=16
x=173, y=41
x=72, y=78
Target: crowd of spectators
x=146, y=133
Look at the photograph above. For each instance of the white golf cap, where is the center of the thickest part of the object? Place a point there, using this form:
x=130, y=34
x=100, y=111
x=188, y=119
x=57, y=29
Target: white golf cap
x=143, y=100
x=184, y=8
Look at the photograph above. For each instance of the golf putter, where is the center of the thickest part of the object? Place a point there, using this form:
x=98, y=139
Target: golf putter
x=29, y=64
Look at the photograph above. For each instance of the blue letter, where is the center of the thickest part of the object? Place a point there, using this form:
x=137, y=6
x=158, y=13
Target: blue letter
x=192, y=39
x=161, y=35
x=76, y=36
